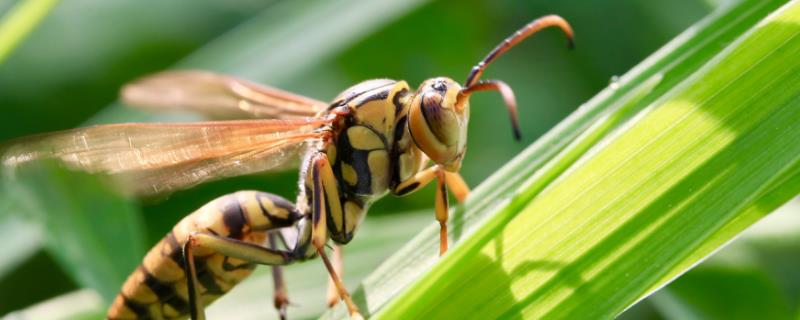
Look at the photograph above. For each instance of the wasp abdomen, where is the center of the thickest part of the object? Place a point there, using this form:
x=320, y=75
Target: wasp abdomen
x=157, y=289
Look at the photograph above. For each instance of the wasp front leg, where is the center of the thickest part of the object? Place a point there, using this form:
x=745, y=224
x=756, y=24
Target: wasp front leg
x=326, y=196
x=338, y=266
x=444, y=180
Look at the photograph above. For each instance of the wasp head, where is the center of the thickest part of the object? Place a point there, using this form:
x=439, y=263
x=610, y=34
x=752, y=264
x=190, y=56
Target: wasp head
x=438, y=122
x=439, y=110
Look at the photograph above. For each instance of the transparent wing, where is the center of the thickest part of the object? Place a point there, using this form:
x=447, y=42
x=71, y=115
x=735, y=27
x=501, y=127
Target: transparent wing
x=216, y=96
x=153, y=159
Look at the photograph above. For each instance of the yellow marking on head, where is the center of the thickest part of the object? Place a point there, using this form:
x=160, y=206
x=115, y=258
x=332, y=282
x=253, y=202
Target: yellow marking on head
x=378, y=161
x=438, y=126
x=349, y=174
x=362, y=138
x=354, y=213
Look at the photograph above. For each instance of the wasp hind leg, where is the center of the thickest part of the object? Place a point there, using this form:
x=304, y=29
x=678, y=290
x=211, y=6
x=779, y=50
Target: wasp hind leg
x=229, y=247
x=233, y=217
x=281, y=293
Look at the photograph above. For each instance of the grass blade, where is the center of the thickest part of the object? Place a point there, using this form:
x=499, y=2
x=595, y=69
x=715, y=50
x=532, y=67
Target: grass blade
x=20, y=21
x=750, y=278
x=686, y=175
x=570, y=139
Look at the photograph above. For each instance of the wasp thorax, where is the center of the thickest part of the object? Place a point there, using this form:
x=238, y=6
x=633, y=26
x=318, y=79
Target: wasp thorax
x=437, y=124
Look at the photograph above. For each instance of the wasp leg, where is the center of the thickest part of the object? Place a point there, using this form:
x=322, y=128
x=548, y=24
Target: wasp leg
x=281, y=294
x=325, y=192
x=454, y=182
x=442, y=210
x=338, y=265
x=457, y=186
x=444, y=179
x=229, y=247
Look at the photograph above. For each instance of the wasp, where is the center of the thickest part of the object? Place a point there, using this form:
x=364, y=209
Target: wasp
x=376, y=137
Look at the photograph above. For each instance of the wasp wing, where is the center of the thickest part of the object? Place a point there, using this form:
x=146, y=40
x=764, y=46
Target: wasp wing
x=216, y=96
x=155, y=159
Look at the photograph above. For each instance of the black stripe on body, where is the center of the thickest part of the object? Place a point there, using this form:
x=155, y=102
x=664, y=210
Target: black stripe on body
x=398, y=106
x=206, y=277
x=233, y=217
x=164, y=291
x=394, y=164
x=344, y=236
x=280, y=203
x=302, y=250
x=358, y=159
x=382, y=94
x=361, y=166
x=399, y=128
x=141, y=310
x=177, y=249
x=362, y=90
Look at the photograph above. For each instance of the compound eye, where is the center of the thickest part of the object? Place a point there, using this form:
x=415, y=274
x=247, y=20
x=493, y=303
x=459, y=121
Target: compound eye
x=442, y=121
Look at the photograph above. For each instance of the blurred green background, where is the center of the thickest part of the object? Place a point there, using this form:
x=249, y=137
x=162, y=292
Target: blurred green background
x=67, y=72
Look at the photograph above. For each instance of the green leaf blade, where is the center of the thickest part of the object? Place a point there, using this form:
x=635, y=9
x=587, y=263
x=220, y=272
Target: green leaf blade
x=20, y=21
x=637, y=210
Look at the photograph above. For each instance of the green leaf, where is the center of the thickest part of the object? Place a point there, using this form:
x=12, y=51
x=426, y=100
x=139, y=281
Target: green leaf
x=712, y=152
x=92, y=230
x=20, y=21
x=753, y=277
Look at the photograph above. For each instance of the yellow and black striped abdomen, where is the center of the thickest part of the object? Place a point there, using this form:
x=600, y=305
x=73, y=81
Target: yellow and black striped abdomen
x=157, y=289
